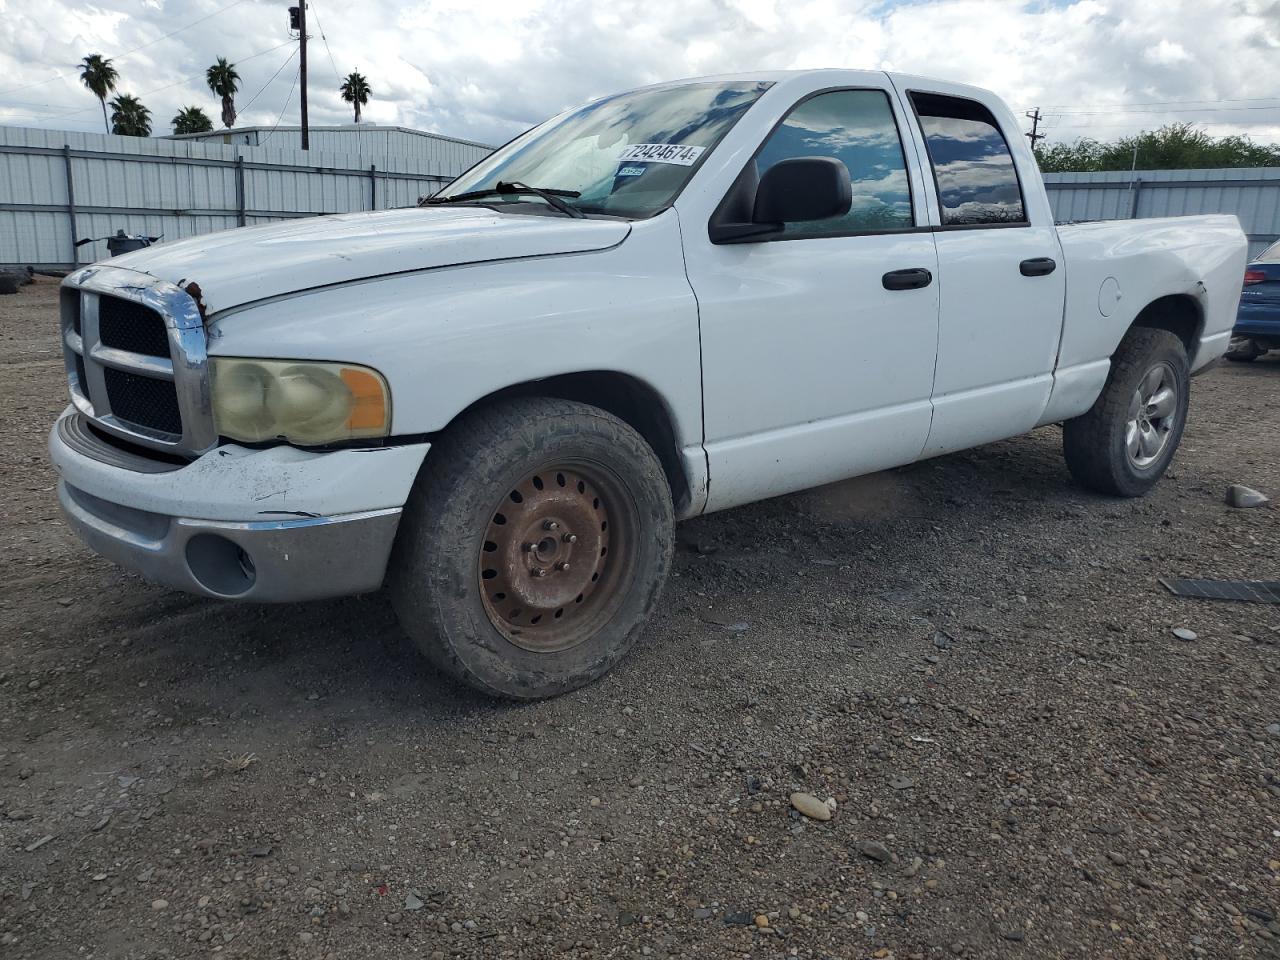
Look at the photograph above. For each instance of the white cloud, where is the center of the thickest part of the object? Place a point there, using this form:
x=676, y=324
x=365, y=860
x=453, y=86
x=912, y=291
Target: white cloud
x=487, y=71
x=1166, y=53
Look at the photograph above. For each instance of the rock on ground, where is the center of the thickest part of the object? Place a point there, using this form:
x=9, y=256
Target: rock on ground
x=1239, y=495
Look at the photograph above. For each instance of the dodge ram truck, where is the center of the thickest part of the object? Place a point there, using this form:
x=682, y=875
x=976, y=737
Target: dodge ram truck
x=661, y=304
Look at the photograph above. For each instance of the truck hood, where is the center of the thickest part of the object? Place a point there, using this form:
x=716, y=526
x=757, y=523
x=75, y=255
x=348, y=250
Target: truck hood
x=236, y=267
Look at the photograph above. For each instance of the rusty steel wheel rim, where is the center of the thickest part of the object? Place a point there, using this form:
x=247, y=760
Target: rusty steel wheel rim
x=557, y=555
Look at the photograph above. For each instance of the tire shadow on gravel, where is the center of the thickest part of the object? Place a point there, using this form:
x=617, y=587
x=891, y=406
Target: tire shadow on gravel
x=212, y=657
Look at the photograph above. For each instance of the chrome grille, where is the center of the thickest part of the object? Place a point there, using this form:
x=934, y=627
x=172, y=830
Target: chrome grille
x=136, y=359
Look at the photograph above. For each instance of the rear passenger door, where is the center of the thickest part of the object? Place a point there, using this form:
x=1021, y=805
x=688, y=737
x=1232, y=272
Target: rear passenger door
x=1000, y=269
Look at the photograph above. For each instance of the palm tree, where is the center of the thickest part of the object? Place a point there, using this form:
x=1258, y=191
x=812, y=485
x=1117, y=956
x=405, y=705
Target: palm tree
x=224, y=82
x=356, y=91
x=97, y=73
x=129, y=118
x=191, y=120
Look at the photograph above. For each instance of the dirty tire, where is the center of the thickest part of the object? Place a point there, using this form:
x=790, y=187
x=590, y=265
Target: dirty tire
x=1095, y=443
x=437, y=569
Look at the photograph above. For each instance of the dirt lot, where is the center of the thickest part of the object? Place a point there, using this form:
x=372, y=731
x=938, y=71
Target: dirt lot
x=972, y=656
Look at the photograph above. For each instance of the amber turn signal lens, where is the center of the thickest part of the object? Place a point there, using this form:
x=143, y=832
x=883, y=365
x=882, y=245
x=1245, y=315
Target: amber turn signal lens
x=369, y=399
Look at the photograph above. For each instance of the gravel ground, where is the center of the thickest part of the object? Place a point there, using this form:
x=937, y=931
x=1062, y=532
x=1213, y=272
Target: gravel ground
x=971, y=656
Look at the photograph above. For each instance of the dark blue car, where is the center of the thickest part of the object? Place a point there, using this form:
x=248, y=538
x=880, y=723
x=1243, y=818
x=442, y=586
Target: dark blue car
x=1257, y=328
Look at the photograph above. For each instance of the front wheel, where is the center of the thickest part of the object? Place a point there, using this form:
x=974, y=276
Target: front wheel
x=533, y=548
x=1126, y=441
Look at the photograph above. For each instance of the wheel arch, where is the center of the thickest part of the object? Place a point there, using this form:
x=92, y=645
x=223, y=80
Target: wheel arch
x=628, y=398
x=1179, y=313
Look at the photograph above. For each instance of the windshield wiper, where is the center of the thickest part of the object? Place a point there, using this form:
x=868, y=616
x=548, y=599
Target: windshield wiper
x=548, y=195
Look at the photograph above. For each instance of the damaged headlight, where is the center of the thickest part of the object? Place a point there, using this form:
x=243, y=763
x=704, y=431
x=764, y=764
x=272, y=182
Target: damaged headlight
x=299, y=401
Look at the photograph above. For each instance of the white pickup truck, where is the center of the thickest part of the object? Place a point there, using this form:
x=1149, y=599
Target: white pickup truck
x=663, y=303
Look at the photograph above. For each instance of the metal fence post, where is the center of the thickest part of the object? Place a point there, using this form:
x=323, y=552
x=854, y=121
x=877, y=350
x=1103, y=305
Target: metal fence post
x=373, y=186
x=71, y=203
x=240, y=189
x=1135, y=188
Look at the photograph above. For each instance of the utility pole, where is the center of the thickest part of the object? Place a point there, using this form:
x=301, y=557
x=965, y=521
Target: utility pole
x=1035, y=134
x=302, y=70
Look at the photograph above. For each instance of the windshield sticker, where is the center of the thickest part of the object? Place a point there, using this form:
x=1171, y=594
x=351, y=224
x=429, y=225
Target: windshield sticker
x=661, y=153
x=631, y=171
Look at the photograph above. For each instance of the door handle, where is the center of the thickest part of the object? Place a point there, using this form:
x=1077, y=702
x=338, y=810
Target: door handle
x=912, y=279
x=1037, y=267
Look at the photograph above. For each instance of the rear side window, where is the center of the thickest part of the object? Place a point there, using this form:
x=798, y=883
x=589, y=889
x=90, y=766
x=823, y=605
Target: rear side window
x=857, y=128
x=972, y=165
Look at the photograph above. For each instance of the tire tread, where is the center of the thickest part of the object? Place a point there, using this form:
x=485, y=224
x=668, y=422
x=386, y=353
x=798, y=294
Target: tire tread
x=1087, y=440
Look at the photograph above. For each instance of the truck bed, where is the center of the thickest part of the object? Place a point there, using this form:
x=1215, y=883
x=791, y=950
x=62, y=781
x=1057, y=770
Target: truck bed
x=1115, y=268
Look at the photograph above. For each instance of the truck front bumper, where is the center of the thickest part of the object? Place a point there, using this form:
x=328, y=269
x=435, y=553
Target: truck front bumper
x=272, y=525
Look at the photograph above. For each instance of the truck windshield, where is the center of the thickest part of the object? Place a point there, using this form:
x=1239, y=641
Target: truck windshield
x=628, y=155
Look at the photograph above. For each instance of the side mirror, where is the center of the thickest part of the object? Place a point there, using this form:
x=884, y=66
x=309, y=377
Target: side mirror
x=791, y=191
x=803, y=188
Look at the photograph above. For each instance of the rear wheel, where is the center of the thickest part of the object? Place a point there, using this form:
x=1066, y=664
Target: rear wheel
x=1126, y=441
x=1243, y=350
x=533, y=548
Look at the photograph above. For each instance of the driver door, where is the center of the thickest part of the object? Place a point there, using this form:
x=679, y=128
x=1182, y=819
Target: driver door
x=818, y=358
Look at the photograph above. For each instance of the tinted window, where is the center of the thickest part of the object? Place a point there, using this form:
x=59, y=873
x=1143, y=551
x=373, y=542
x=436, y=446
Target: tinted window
x=1270, y=255
x=977, y=182
x=857, y=128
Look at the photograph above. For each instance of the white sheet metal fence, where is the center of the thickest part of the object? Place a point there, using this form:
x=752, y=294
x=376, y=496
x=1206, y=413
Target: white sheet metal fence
x=360, y=140
x=57, y=187
x=1252, y=194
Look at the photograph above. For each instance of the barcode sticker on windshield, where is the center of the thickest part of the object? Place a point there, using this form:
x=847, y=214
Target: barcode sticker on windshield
x=661, y=153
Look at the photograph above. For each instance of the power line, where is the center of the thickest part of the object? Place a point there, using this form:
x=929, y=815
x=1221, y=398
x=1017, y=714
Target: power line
x=28, y=86
x=32, y=103
x=1085, y=131
x=1235, y=125
x=22, y=118
x=337, y=76
x=143, y=46
x=1061, y=119
x=1137, y=110
x=121, y=56
x=319, y=26
x=1161, y=103
x=263, y=141
x=287, y=60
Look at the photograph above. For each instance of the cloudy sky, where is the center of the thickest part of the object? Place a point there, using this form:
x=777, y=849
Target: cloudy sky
x=486, y=70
